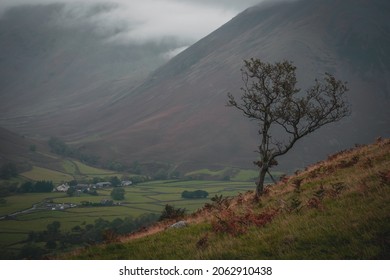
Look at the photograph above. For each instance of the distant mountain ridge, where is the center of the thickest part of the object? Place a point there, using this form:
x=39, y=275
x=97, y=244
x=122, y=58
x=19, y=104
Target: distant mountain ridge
x=52, y=69
x=178, y=113
x=318, y=36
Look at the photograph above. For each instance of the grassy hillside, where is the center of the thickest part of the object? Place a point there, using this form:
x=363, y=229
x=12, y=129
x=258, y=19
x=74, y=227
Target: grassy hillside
x=35, y=161
x=336, y=209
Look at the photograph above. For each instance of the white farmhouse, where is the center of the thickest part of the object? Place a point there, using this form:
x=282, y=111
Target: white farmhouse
x=126, y=183
x=62, y=188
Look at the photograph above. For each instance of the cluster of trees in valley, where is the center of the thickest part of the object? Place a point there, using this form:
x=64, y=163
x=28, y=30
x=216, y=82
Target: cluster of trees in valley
x=194, y=194
x=59, y=147
x=36, y=187
x=53, y=240
x=156, y=171
x=7, y=188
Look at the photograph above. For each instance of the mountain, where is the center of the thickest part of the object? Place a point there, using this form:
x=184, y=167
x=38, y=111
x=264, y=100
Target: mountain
x=181, y=111
x=56, y=66
x=178, y=114
x=24, y=152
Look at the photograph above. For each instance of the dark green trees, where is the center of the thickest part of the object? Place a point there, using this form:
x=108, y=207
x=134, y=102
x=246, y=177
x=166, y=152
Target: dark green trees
x=194, y=194
x=118, y=193
x=170, y=212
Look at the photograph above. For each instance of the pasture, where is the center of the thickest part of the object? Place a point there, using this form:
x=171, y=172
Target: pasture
x=83, y=172
x=39, y=174
x=149, y=197
x=68, y=170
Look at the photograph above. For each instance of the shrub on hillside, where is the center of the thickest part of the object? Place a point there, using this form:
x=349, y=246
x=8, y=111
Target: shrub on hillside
x=172, y=213
x=236, y=224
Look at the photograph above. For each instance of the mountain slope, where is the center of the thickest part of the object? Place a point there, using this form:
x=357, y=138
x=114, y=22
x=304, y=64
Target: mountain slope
x=178, y=114
x=22, y=151
x=335, y=209
x=57, y=68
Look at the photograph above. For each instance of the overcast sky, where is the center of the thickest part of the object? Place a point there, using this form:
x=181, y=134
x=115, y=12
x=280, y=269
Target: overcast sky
x=138, y=21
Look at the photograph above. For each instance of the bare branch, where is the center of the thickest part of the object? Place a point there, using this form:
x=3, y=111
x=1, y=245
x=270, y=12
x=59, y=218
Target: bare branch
x=270, y=96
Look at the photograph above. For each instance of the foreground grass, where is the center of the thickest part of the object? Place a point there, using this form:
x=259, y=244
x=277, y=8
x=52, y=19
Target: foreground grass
x=337, y=209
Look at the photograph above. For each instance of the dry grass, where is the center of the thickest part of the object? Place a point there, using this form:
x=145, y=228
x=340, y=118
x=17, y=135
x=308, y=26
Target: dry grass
x=336, y=209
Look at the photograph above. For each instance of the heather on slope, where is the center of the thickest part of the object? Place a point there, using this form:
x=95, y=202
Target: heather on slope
x=335, y=209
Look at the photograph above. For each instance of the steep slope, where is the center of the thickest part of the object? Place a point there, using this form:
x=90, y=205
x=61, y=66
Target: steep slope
x=58, y=68
x=335, y=209
x=179, y=114
x=24, y=152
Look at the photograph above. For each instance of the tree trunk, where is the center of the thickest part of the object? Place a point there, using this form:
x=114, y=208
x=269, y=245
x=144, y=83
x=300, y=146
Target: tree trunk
x=260, y=184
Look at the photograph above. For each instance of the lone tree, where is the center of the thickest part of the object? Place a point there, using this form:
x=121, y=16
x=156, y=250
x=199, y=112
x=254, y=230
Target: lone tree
x=118, y=194
x=270, y=96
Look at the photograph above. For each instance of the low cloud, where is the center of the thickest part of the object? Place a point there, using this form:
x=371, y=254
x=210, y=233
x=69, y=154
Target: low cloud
x=174, y=52
x=138, y=22
x=155, y=20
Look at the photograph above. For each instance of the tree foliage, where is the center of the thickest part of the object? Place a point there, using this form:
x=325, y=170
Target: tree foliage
x=194, y=194
x=170, y=212
x=115, y=182
x=118, y=193
x=37, y=187
x=71, y=191
x=59, y=147
x=271, y=97
x=57, y=240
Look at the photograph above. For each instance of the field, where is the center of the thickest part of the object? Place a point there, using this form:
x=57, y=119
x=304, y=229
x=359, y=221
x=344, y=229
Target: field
x=337, y=209
x=18, y=219
x=66, y=170
x=149, y=197
x=39, y=174
x=83, y=172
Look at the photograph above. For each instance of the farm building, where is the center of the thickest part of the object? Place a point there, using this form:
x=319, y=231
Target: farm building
x=103, y=184
x=62, y=188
